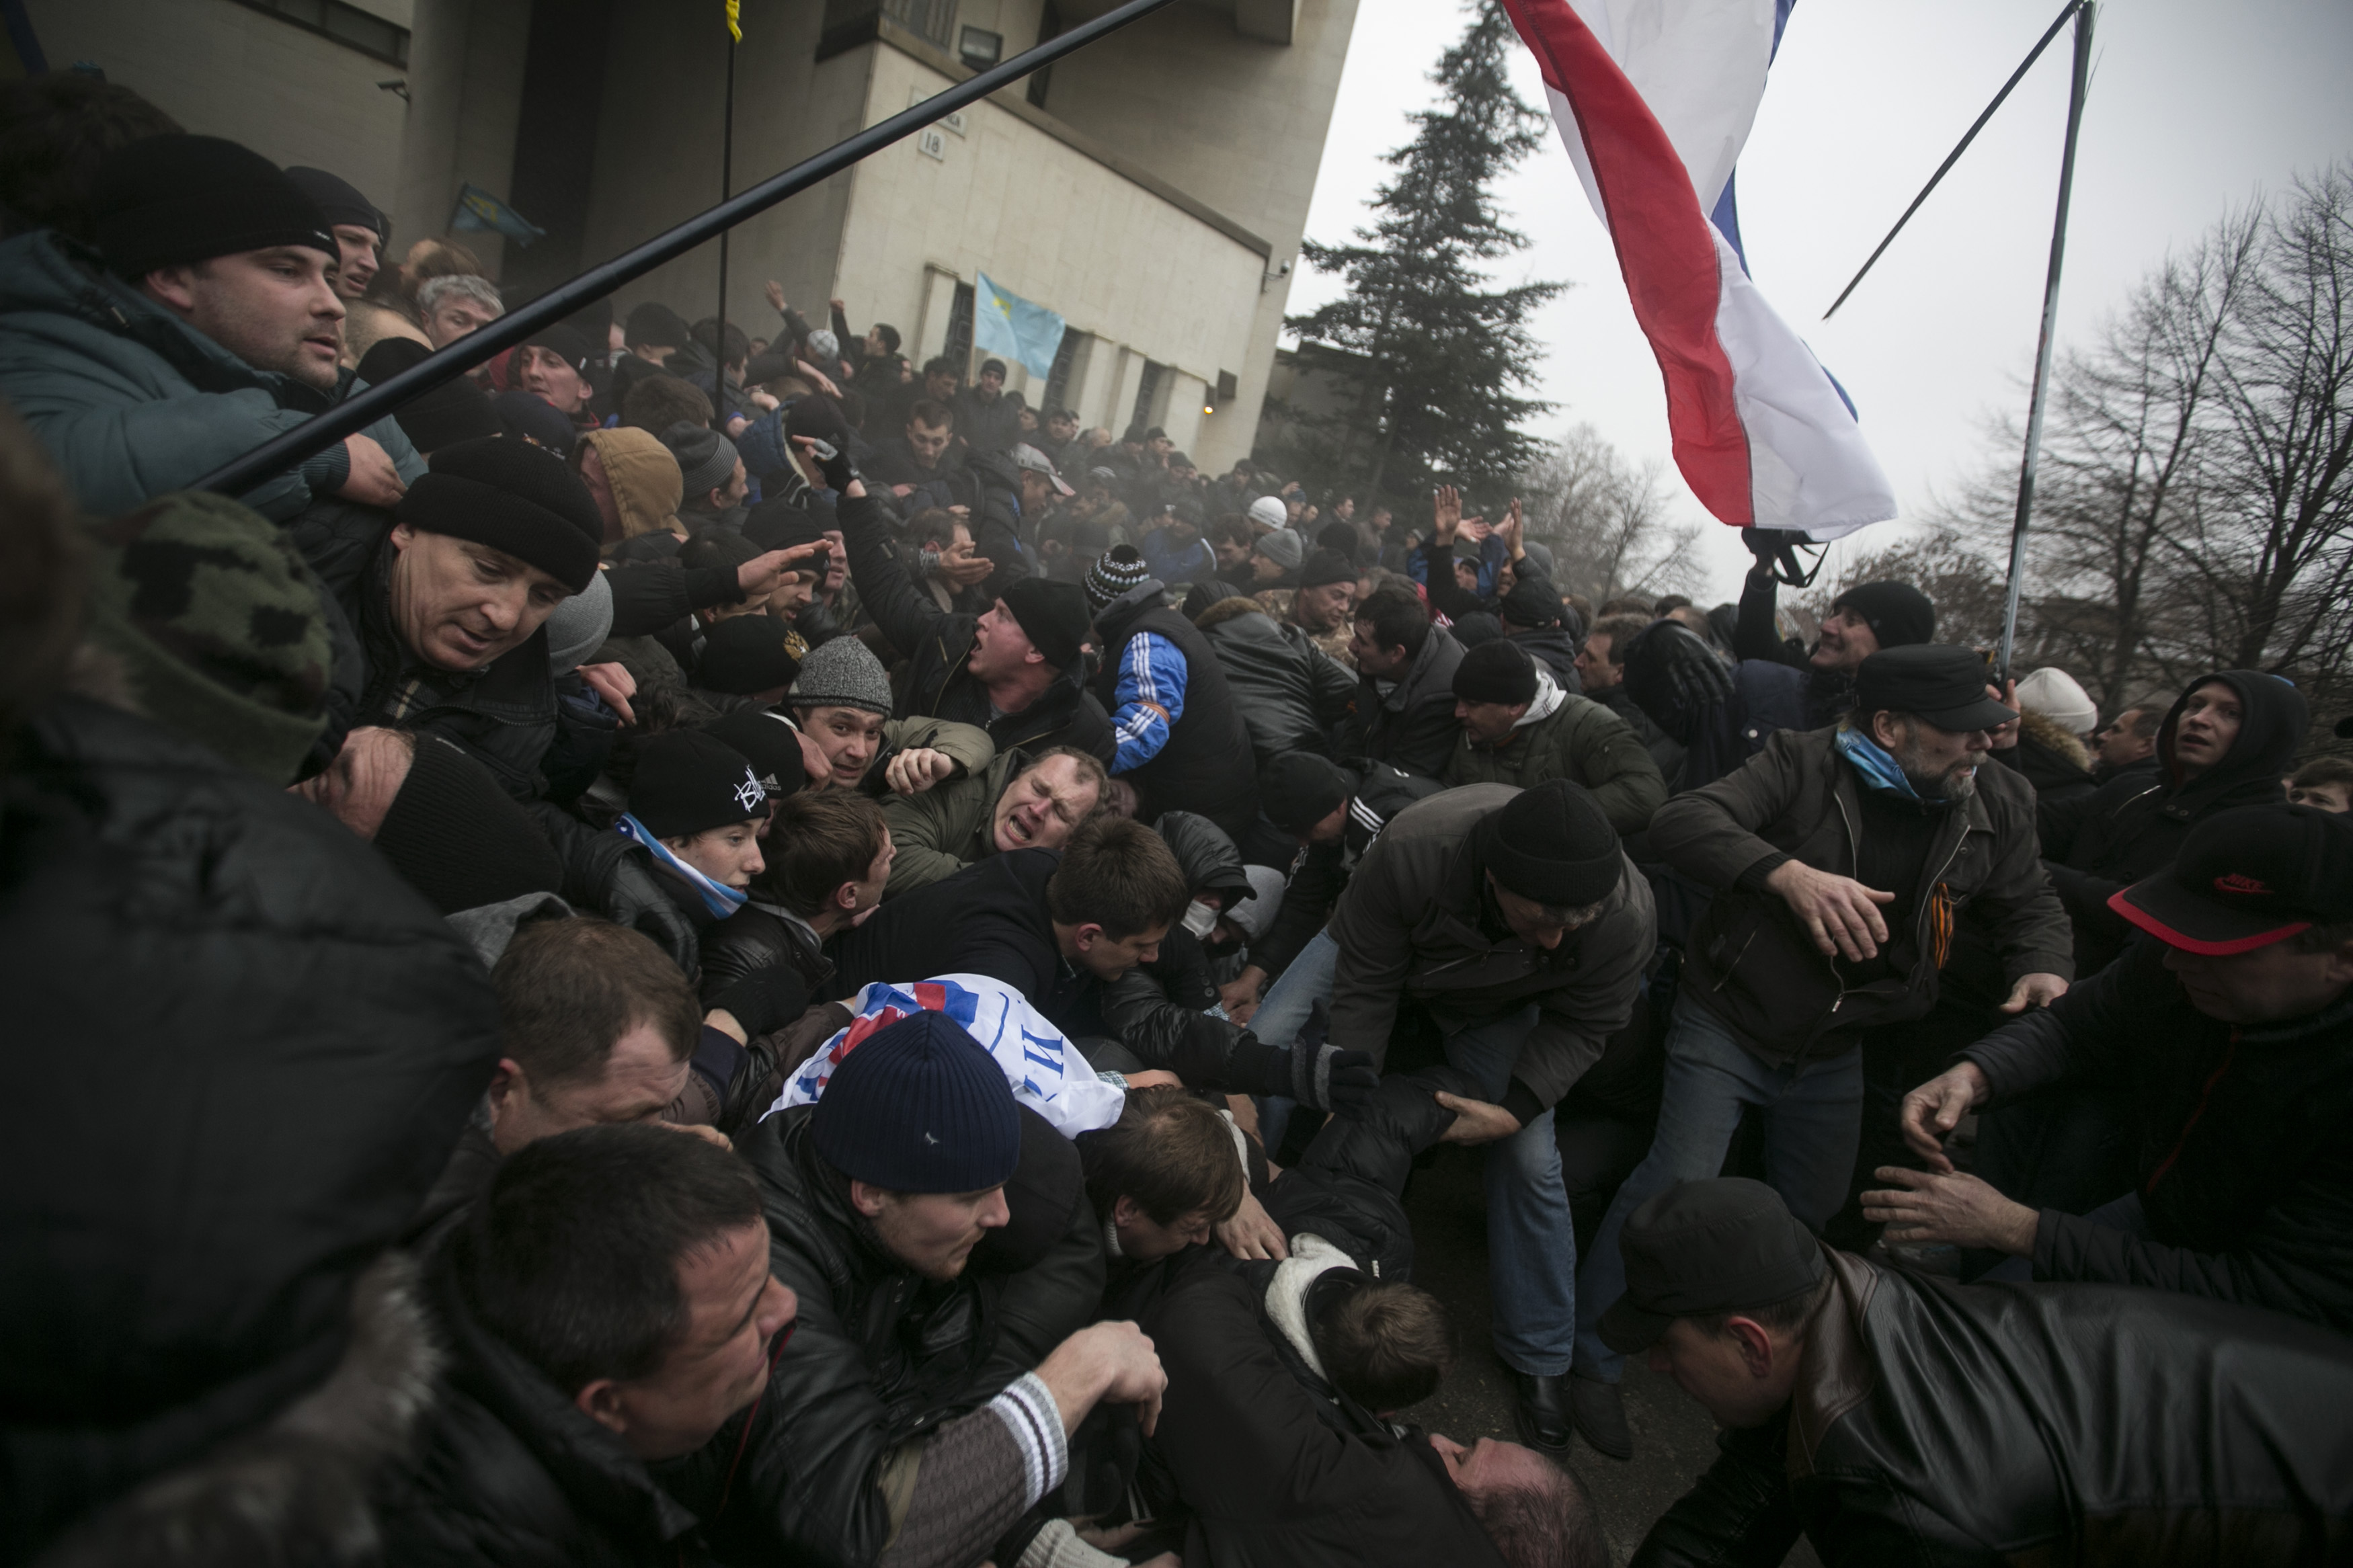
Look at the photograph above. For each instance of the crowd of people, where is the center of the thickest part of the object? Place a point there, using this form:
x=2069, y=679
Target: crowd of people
x=704, y=947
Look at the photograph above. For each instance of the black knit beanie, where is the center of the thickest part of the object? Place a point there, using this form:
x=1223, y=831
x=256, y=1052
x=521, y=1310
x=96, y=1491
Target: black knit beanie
x=527, y=416
x=1052, y=615
x=918, y=1107
x=780, y=525
x=455, y=411
x=457, y=838
x=1496, y=671
x=1531, y=603
x=1897, y=614
x=1553, y=843
x=1300, y=789
x=1121, y=571
x=1326, y=567
x=1340, y=538
x=164, y=200
x=655, y=326
x=512, y=496
x=566, y=343
x=338, y=200
x=770, y=744
x=688, y=781
x=745, y=654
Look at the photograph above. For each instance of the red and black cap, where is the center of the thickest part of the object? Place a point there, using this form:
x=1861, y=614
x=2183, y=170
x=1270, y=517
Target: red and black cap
x=2247, y=878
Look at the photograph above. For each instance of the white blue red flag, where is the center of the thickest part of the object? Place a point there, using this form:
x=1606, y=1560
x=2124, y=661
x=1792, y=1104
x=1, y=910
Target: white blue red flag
x=1655, y=99
x=1048, y=1073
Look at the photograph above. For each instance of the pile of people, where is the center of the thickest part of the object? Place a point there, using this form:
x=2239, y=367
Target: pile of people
x=720, y=950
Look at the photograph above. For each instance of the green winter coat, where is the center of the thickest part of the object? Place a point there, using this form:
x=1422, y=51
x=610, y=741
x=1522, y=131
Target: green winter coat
x=1579, y=741
x=131, y=403
x=942, y=830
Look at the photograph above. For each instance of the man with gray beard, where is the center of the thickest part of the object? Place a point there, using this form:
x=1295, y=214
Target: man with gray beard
x=1841, y=859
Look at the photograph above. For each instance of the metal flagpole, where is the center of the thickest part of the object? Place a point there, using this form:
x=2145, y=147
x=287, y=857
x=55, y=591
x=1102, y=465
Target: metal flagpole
x=726, y=188
x=2042, y=347
x=284, y=451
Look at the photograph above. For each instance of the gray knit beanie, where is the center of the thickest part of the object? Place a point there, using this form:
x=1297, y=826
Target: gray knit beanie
x=843, y=673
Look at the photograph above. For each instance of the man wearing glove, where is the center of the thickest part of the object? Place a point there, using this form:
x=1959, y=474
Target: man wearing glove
x=1516, y=918
x=1864, y=619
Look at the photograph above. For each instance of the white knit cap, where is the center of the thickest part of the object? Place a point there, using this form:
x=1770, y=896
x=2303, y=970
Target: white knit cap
x=2053, y=693
x=1270, y=511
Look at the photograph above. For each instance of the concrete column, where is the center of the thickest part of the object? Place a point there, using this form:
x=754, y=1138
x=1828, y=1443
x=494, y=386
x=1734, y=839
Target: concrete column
x=1181, y=397
x=939, y=304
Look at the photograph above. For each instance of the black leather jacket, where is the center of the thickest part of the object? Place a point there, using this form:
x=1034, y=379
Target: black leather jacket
x=1937, y=1424
x=1291, y=692
x=880, y=1356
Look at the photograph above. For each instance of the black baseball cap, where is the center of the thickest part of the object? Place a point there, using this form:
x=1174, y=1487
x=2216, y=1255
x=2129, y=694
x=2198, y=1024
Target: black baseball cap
x=2246, y=879
x=1943, y=684
x=1703, y=1248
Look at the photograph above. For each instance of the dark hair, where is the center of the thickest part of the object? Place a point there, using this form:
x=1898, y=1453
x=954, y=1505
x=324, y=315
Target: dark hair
x=569, y=989
x=1551, y=1525
x=1172, y=1153
x=573, y=1256
x=1091, y=770
x=1628, y=605
x=940, y=365
x=932, y=522
x=716, y=546
x=2148, y=718
x=1385, y=1346
x=55, y=131
x=1232, y=529
x=1621, y=630
x=706, y=332
x=1397, y=619
x=1668, y=603
x=818, y=841
x=890, y=336
x=925, y=411
x=2324, y=770
x=1119, y=875
x=655, y=403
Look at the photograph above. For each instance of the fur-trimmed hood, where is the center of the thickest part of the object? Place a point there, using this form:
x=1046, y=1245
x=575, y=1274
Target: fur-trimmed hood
x=2055, y=736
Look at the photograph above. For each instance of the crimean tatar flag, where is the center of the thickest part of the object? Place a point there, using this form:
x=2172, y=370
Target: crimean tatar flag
x=1004, y=323
x=1654, y=100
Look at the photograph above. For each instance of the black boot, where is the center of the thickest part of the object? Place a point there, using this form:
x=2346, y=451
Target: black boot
x=1543, y=1411
x=1599, y=1411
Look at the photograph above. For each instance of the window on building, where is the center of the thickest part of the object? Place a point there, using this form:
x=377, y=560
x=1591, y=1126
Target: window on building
x=347, y=24
x=1147, y=389
x=980, y=49
x=931, y=20
x=1050, y=26
x=957, y=349
x=1058, y=379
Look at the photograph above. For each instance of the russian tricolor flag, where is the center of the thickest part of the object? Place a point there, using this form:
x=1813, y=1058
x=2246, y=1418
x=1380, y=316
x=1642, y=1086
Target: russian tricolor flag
x=1655, y=99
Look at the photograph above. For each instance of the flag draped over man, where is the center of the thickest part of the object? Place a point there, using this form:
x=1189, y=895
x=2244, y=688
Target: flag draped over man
x=1654, y=100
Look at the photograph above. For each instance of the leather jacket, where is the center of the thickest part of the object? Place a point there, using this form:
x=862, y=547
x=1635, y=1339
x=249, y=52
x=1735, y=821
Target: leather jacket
x=1939, y=1423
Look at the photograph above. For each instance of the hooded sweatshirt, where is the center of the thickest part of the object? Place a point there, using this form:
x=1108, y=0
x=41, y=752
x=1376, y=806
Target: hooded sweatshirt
x=647, y=487
x=2135, y=824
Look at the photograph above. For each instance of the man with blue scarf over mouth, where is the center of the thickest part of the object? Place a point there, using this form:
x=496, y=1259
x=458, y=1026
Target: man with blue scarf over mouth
x=1840, y=859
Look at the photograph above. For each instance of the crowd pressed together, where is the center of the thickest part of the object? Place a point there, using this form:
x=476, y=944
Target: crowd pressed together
x=717, y=947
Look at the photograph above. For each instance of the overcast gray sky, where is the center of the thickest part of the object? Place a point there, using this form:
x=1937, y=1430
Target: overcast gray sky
x=2193, y=108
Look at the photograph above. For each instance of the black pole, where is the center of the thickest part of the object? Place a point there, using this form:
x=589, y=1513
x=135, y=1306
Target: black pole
x=2042, y=347
x=1953, y=157
x=726, y=185
x=281, y=452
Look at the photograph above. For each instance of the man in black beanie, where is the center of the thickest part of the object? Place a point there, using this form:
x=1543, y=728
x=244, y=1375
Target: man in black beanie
x=359, y=226
x=715, y=480
x=1515, y=918
x=1320, y=605
x=1864, y=619
x=455, y=411
x=205, y=323
x=552, y=365
x=1520, y=728
x=1018, y=669
x=1840, y=861
x=743, y=663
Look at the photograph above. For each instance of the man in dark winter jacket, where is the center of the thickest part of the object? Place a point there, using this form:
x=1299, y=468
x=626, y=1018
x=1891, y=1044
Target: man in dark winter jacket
x=927, y=1395
x=1892, y=1418
x=1404, y=711
x=1018, y=670
x=1864, y=620
x=206, y=323
x=1601, y=667
x=1291, y=692
x=2126, y=743
x=1531, y=613
x=1840, y=859
x=1521, y=727
x=2228, y=1030
x=1021, y=802
x=1177, y=727
x=1516, y=918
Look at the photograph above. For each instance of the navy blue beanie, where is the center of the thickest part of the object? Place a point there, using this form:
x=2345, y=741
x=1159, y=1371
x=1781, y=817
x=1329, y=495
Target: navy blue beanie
x=918, y=1107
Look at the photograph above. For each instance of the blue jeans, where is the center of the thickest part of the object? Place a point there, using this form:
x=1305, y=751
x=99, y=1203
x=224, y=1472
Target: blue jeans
x=1289, y=1003
x=1812, y=1123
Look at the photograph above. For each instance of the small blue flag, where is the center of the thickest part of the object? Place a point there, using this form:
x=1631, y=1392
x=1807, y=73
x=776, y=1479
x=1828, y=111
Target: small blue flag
x=1008, y=324
x=479, y=210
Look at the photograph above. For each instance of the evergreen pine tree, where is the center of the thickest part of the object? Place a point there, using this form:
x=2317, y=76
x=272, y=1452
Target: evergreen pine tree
x=1446, y=355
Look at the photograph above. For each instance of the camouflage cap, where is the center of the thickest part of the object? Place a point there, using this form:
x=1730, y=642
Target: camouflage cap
x=218, y=624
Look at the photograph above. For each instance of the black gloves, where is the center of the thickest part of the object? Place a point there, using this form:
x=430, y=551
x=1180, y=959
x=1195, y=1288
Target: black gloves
x=766, y=998
x=1341, y=1082
x=833, y=461
x=1767, y=542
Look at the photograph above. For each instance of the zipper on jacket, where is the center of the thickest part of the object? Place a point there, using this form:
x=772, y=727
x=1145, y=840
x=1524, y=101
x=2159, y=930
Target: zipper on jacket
x=1854, y=860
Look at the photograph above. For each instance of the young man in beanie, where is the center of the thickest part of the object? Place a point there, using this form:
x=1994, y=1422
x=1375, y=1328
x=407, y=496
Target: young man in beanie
x=2228, y=1026
x=1320, y=605
x=1842, y=859
x=901, y=1424
x=1017, y=670
x=554, y=367
x=1891, y=1418
x=1019, y=803
x=840, y=702
x=1520, y=728
x=205, y=323
x=1177, y=730
x=1516, y=918
x=1864, y=620
x=696, y=806
x=358, y=224
x=714, y=481
x=986, y=420
x=1290, y=692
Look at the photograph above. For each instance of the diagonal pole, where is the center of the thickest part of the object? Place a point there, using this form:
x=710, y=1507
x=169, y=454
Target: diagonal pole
x=1953, y=157
x=2042, y=347
x=284, y=451
x=726, y=185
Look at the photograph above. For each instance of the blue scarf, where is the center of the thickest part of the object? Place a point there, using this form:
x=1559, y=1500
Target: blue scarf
x=1870, y=760
x=718, y=897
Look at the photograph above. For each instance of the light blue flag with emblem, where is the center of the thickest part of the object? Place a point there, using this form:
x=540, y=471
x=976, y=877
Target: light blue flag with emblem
x=479, y=210
x=1008, y=324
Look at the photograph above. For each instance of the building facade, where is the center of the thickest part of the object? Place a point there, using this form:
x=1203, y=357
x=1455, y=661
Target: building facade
x=1151, y=189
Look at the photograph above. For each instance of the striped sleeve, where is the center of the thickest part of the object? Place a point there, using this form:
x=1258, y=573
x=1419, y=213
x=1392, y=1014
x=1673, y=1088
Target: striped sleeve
x=1028, y=1409
x=1151, y=696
